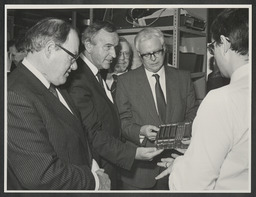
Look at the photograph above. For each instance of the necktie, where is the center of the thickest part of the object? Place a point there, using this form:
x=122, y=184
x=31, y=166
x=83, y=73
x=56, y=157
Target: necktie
x=53, y=90
x=100, y=79
x=161, y=105
x=113, y=86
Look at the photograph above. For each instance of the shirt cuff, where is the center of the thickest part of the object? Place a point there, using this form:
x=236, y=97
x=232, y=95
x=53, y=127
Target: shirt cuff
x=95, y=167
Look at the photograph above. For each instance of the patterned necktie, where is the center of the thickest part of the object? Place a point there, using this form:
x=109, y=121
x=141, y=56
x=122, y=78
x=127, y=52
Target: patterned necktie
x=161, y=105
x=53, y=90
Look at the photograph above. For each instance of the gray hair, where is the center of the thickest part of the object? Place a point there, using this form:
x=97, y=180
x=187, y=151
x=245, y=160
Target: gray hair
x=148, y=33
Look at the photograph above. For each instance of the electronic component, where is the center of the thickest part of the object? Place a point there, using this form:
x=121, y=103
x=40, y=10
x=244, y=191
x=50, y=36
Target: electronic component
x=173, y=136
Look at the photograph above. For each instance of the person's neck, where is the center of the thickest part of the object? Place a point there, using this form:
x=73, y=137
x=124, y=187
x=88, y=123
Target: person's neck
x=36, y=60
x=238, y=61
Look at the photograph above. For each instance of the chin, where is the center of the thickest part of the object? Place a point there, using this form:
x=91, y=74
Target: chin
x=106, y=66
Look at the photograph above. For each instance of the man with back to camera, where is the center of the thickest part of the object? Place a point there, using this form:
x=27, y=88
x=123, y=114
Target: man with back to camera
x=94, y=100
x=153, y=94
x=47, y=147
x=217, y=158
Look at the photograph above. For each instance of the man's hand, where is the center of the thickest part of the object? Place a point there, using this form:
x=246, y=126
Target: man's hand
x=149, y=131
x=105, y=183
x=147, y=153
x=166, y=163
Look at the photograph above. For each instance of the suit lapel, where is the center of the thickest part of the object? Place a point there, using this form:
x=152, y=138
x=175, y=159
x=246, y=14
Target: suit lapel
x=148, y=95
x=88, y=73
x=51, y=101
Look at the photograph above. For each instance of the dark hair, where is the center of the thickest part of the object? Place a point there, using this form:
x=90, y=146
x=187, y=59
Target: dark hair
x=44, y=31
x=91, y=31
x=233, y=24
x=10, y=43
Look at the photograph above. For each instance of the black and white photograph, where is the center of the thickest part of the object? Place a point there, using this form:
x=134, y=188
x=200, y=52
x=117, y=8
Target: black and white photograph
x=127, y=99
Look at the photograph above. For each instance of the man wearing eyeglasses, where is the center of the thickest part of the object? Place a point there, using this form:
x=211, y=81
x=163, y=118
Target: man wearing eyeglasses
x=47, y=146
x=153, y=94
x=99, y=114
x=218, y=156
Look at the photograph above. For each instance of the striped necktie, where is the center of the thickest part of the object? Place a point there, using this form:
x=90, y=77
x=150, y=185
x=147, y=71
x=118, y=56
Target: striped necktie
x=53, y=90
x=161, y=105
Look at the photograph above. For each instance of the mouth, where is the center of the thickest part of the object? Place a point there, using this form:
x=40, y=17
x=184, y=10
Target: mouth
x=109, y=61
x=67, y=73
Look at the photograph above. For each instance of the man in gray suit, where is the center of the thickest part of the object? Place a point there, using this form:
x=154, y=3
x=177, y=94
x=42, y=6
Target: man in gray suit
x=147, y=97
x=47, y=147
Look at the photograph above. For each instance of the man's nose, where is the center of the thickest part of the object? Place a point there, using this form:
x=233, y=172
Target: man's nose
x=113, y=52
x=121, y=56
x=152, y=57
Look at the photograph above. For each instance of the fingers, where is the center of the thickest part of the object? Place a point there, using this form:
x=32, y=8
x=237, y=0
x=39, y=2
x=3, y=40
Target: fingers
x=162, y=164
x=104, y=181
x=157, y=152
x=154, y=128
x=163, y=174
x=175, y=155
x=101, y=170
x=169, y=160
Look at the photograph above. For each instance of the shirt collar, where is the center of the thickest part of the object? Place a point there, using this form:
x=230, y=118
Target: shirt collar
x=161, y=72
x=93, y=68
x=36, y=72
x=240, y=72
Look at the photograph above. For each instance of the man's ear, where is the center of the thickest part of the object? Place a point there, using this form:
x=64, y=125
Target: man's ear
x=88, y=46
x=226, y=44
x=49, y=48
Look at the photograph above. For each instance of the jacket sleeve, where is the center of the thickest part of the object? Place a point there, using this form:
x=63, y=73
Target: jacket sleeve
x=130, y=129
x=103, y=143
x=31, y=156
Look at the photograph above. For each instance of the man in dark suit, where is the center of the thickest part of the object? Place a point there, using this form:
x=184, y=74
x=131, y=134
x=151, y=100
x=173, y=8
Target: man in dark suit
x=153, y=94
x=47, y=146
x=94, y=100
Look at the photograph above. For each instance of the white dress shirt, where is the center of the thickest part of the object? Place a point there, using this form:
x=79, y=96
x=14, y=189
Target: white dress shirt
x=152, y=83
x=40, y=76
x=95, y=70
x=218, y=156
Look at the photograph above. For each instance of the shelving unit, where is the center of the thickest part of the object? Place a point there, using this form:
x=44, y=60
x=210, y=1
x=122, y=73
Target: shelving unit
x=176, y=32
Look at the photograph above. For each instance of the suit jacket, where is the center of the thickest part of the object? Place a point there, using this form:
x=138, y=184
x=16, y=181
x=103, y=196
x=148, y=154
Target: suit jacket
x=47, y=147
x=136, y=107
x=101, y=119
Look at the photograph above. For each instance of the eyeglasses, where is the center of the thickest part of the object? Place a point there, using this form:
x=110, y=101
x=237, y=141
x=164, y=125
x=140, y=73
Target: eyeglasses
x=210, y=46
x=74, y=57
x=125, y=54
x=156, y=54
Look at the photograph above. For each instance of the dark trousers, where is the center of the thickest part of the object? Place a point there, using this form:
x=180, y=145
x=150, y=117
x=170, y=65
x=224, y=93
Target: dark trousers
x=161, y=184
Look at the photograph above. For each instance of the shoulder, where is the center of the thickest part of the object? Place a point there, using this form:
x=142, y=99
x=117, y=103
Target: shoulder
x=132, y=74
x=173, y=70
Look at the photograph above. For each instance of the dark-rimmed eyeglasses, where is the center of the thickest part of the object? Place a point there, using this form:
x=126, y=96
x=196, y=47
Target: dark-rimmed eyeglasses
x=156, y=54
x=210, y=46
x=74, y=57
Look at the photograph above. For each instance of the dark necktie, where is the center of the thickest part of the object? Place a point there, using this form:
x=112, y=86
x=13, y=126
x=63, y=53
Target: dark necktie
x=100, y=79
x=113, y=86
x=53, y=90
x=161, y=105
